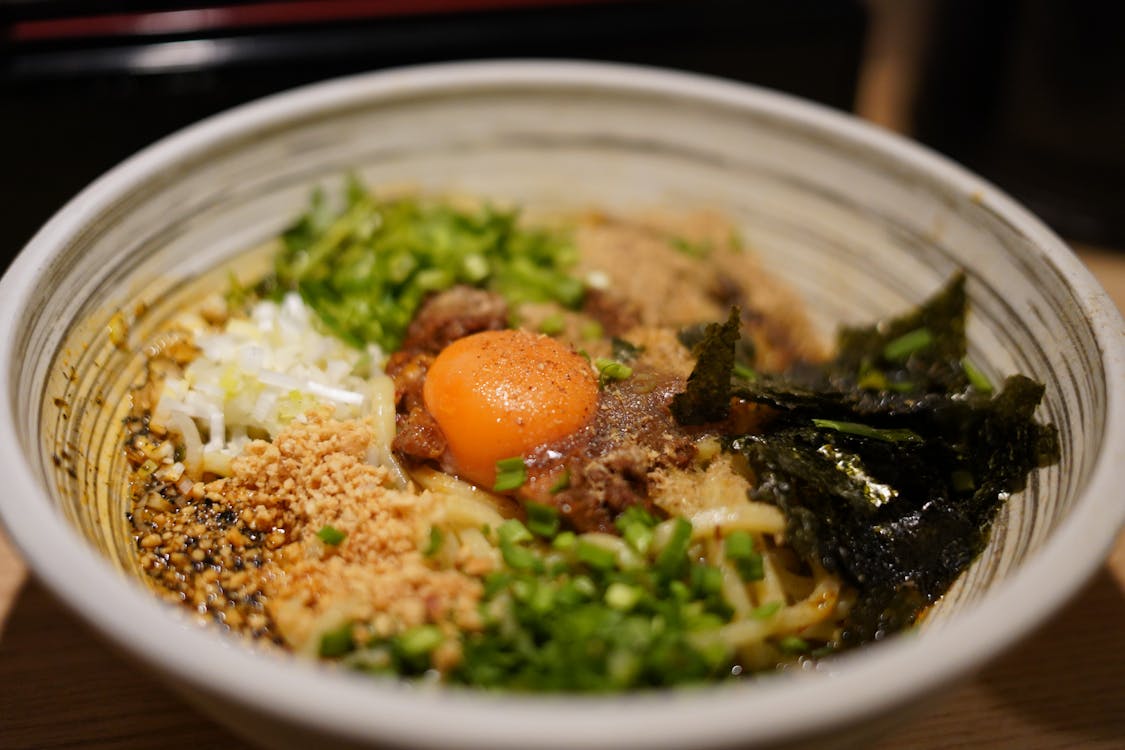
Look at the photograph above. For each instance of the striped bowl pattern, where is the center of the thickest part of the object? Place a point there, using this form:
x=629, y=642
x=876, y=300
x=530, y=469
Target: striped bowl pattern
x=859, y=224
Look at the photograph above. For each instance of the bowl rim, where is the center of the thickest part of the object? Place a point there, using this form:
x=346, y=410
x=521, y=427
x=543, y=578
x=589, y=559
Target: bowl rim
x=349, y=706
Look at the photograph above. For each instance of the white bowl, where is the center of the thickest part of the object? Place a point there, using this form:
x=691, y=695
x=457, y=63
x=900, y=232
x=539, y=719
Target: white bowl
x=861, y=223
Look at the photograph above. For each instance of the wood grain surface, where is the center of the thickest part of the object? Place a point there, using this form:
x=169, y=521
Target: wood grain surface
x=1064, y=687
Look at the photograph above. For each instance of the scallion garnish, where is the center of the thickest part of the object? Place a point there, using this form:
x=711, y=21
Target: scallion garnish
x=611, y=369
x=739, y=549
x=900, y=349
x=673, y=557
x=791, y=644
x=552, y=325
x=511, y=473
x=330, y=535
x=419, y=640
x=863, y=430
x=337, y=642
x=542, y=520
x=562, y=483
x=594, y=556
x=977, y=379
x=766, y=611
x=433, y=546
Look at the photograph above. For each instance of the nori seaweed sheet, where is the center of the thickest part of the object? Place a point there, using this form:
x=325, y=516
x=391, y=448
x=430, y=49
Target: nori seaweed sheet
x=899, y=519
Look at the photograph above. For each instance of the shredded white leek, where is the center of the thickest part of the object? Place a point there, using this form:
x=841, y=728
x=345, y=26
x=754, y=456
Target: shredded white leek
x=260, y=373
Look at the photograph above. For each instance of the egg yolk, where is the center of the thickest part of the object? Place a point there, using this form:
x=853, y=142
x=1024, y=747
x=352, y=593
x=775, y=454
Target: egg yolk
x=501, y=394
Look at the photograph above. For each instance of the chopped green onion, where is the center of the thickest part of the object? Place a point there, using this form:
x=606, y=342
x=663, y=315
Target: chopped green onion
x=871, y=379
x=594, y=556
x=623, y=597
x=433, y=546
x=738, y=545
x=739, y=548
x=542, y=520
x=638, y=536
x=766, y=611
x=330, y=535
x=562, y=483
x=591, y=331
x=513, y=531
x=552, y=325
x=977, y=379
x=900, y=349
x=511, y=473
x=337, y=642
x=706, y=580
x=791, y=644
x=744, y=372
x=565, y=540
x=674, y=555
x=419, y=640
x=609, y=369
x=863, y=430
x=515, y=556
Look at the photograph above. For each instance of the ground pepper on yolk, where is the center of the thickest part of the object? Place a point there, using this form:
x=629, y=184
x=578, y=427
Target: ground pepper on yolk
x=501, y=394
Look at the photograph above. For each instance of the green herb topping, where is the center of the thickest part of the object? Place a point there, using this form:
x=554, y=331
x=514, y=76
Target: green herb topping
x=330, y=535
x=511, y=473
x=366, y=268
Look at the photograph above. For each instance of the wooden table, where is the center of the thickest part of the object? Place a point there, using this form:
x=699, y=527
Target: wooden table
x=1064, y=687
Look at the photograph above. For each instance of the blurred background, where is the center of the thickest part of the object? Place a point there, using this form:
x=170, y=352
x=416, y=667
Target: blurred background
x=1030, y=93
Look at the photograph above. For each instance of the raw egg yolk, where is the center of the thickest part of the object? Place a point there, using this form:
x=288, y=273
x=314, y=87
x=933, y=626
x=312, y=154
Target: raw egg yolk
x=501, y=394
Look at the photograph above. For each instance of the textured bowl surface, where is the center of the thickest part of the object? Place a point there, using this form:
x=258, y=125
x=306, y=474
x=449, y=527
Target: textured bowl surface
x=858, y=222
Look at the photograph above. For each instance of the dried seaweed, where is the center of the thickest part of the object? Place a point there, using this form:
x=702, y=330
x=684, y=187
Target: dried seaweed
x=889, y=464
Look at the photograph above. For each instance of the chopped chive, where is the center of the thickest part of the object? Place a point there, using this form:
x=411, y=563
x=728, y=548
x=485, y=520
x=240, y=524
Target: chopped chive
x=610, y=369
x=791, y=644
x=565, y=540
x=419, y=640
x=433, y=546
x=336, y=642
x=638, y=536
x=674, y=555
x=515, y=556
x=621, y=596
x=766, y=611
x=514, y=532
x=330, y=535
x=594, y=556
x=739, y=549
x=706, y=580
x=900, y=349
x=744, y=372
x=542, y=520
x=591, y=331
x=562, y=483
x=552, y=325
x=863, y=430
x=871, y=378
x=738, y=545
x=511, y=473
x=977, y=379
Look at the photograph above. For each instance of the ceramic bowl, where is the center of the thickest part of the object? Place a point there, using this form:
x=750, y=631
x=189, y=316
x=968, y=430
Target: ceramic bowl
x=859, y=222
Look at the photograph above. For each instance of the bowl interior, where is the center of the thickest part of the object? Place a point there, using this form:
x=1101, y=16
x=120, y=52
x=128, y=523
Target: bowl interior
x=857, y=228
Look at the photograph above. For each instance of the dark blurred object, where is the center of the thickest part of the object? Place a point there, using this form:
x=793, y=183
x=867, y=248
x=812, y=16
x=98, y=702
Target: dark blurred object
x=1032, y=95
x=85, y=84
